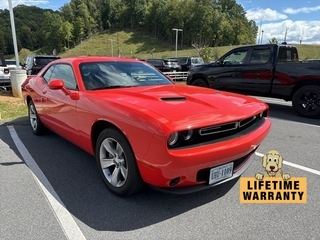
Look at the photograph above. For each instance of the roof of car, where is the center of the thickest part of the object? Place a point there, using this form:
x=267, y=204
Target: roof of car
x=46, y=56
x=81, y=59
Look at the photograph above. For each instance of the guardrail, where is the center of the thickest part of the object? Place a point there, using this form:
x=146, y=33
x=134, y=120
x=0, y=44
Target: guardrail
x=177, y=76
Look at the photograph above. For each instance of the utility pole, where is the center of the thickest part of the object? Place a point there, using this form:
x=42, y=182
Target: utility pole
x=261, y=36
x=14, y=37
x=177, y=30
x=259, y=31
x=285, y=35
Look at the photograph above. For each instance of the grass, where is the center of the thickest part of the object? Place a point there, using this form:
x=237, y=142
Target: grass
x=135, y=44
x=11, y=108
x=129, y=44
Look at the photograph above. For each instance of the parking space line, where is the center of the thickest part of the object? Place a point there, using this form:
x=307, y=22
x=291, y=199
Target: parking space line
x=295, y=165
x=65, y=219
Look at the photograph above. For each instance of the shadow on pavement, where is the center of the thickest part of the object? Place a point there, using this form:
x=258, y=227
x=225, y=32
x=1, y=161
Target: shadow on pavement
x=74, y=176
x=287, y=113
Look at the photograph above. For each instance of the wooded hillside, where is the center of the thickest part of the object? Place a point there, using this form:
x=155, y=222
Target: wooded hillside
x=204, y=23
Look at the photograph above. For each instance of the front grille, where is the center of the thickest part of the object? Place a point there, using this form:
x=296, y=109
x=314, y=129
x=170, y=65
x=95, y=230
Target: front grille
x=218, y=129
x=222, y=132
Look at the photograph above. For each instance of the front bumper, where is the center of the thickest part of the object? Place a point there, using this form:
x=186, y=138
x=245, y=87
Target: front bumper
x=160, y=167
x=196, y=188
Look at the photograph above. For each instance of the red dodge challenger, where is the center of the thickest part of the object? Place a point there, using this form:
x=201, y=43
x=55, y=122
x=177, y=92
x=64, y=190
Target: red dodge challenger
x=143, y=128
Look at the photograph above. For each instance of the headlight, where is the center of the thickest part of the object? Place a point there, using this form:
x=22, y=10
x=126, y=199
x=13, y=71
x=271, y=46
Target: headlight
x=181, y=138
x=187, y=135
x=173, y=138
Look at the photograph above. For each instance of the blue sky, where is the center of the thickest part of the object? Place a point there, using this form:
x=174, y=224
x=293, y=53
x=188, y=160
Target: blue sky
x=292, y=20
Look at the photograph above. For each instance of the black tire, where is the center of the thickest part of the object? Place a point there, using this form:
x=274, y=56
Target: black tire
x=306, y=101
x=35, y=123
x=200, y=83
x=117, y=163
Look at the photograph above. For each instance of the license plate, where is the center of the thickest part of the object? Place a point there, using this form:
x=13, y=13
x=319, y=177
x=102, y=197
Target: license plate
x=219, y=173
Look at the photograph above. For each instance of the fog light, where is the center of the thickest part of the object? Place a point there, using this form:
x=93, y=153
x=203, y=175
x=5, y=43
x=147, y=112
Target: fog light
x=174, y=182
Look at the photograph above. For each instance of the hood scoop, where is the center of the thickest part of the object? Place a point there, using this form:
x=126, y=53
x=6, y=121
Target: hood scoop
x=173, y=99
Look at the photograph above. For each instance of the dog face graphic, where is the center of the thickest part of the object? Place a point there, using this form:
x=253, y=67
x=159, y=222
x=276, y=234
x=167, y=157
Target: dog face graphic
x=272, y=162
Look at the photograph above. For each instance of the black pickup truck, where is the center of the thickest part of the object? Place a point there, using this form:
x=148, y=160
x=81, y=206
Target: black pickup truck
x=270, y=70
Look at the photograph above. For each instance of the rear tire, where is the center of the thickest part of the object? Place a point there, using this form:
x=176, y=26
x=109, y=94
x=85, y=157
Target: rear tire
x=200, y=83
x=306, y=101
x=35, y=123
x=117, y=163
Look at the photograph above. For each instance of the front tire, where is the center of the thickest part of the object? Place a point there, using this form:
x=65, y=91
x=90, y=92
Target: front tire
x=306, y=101
x=117, y=163
x=200, y=83
x=35, y=123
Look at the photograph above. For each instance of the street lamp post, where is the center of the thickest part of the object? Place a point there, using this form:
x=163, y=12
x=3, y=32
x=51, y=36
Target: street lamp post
x=261, y=36
x=111, y=41
x=177, y=30
x=14, y=37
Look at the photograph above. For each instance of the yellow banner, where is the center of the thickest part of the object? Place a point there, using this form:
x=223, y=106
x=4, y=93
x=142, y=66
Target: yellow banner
x=273, y=190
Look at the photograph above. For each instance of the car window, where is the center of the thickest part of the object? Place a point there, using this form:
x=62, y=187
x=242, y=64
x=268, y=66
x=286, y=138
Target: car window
x=288, y=54
x=101, y=75
x=197, y=60
x=236, y=57
x=47, y=75
x=10, y=62
x=155, y=62
x=65, y=73
x=260, y=56
x=43, y=60
x=182, y=60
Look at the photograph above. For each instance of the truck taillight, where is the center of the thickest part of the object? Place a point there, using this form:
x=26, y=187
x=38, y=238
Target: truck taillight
x=6, y=71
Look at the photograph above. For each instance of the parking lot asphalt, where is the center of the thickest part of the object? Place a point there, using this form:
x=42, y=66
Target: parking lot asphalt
x=51, y=189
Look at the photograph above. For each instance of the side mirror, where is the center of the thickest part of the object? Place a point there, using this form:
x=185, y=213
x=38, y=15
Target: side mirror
x=56, y=84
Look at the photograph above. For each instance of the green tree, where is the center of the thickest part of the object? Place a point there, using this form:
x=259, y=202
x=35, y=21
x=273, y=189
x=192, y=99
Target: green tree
x=53, y=31
x=78, y=30
x=273, y=41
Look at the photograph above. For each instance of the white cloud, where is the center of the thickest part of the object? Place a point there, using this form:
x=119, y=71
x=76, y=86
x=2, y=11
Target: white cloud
x=301, y=10
x=274, y=24
x=265, y=14
x=307, y=31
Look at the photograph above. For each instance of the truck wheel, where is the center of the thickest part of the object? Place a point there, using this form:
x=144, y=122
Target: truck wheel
x=306, y=101
x=200, y=83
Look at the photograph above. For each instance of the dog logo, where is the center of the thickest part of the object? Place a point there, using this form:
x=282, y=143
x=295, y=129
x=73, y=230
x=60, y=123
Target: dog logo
x=272, y=163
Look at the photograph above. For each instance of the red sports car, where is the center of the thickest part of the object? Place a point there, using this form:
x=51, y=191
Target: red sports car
x=143, y=128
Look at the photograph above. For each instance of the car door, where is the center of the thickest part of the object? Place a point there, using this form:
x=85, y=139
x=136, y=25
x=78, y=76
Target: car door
x=59, y=109
x=257, y=71
x=227, y=74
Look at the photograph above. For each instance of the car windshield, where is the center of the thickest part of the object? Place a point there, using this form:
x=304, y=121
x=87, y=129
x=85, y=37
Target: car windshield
x=197, y=61
x=182, y=60
x=43, y=60
x=11, y=62
x=103, y=75
x=170, y=62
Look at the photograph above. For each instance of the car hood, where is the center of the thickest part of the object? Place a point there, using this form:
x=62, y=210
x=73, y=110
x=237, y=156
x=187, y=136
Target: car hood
x=178, y=103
